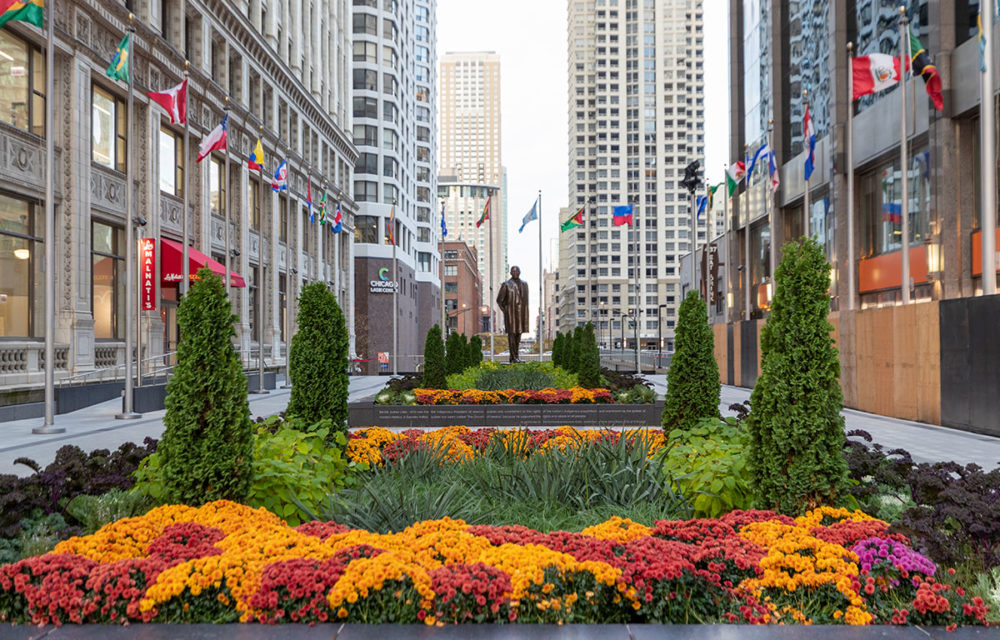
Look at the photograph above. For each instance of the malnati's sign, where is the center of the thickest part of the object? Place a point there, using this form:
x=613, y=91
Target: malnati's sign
x=147, y=273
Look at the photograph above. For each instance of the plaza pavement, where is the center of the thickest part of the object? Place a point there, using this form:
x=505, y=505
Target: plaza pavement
x=96, y=428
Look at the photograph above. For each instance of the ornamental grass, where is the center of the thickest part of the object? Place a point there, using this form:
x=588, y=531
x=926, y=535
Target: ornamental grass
x=573, y=395
x=227, y=562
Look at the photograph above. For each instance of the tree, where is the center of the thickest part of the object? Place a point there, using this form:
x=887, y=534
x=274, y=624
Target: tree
x=557, y=346
x=693, y=377
x=475, y=351
x=573, y=351
x=455, y=362
x=466, y=352
x=318, y=359
x=589, y=372
x=796, y=458
x=207, y=447
x=434, y=364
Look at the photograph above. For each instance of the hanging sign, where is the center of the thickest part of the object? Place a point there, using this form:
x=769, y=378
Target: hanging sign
x=147, y=273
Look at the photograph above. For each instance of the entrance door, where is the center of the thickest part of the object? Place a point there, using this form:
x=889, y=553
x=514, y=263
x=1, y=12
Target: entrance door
x=168, y=314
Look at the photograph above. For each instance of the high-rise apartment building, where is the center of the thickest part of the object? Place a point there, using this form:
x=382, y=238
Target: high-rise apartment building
x=395, y=181
x=636, y=120
x=470, y=159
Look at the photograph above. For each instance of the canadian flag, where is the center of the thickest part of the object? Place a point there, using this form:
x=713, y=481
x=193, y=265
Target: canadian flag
x=873, y=73
x=174, y=100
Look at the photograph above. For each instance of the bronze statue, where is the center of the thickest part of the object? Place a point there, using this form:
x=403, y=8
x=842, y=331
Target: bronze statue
x=513, y=301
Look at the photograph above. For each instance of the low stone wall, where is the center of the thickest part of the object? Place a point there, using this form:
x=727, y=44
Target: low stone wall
x=366, y=414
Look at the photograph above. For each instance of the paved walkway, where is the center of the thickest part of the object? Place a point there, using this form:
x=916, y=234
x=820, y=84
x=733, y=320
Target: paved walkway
x=96, y=428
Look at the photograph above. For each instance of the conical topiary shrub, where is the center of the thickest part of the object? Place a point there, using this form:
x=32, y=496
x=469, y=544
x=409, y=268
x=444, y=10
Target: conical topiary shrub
x=434, y=376
x=207, y=446
x=318, y=365
x=796, y=458
x=693, y=377
x=455, y=361
x=589, y=373
x=475, y=351
x=557, y=344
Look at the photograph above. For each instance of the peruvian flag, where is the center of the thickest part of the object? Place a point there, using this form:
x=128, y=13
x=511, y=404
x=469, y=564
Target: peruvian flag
x=215, y=140
x=873, y=73
x=174, y=100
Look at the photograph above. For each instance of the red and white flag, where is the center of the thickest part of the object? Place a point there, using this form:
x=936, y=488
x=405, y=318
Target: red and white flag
x=174, y=100
x=873, y=73
x=215, y=140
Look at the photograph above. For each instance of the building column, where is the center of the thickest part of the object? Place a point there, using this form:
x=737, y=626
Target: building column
x=273, y=245
x=295, y=25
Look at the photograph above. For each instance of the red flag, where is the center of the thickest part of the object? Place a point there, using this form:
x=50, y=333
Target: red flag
x=873, y=73
x=174, y=100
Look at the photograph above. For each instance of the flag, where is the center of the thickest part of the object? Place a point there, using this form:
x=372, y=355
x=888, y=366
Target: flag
x=711, y=195
x=118, y=69
x=444, y=225
x=309, y=200
x=486, y=214
x=979, y=25
x=174, y=100
x=322, y=208
x=256, y=160
x=700, y=203
x=528, y=217
x=621, y=214
x=809, y=137
x=736, y=172
x=392, y=226
x=30, y=12
x=338, y=220
x=873, y=73
x=215, y=140
x=762, y=152
x=280, y=181
x=772, y=169
x=921, y=63
x=576, y=220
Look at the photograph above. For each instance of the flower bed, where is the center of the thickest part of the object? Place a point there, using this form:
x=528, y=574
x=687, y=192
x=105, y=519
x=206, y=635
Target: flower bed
x=226, y=562
x=573, y=395
x=376, y=445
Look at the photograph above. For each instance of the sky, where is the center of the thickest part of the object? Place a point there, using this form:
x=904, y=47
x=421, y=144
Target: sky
x=530, y=37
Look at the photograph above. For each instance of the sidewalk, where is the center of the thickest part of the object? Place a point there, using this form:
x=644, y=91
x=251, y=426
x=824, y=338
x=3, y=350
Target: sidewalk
x=96, y=428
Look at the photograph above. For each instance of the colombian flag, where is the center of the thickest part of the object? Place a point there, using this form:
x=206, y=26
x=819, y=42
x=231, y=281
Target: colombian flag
x=256, y=160
x=30, y=11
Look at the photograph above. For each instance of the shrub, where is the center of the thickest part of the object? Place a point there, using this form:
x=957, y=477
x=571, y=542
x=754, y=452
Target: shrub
x=475, y=351
x=455, y=362
x=693, y=377
x=318, y=359
x=93, y=512
x=574, y=349
x=621, y=381
x=796, y=430
x=589, y=359
x=434, y=363
x=498, y=375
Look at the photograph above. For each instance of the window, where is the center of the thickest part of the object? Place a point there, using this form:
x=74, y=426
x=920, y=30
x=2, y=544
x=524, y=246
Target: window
x=424, y=258
x=365, y=52
x=365, y=23
x=366, y=229
x=365, y=191
x=367, y=163
x=423, y=234
x=390, y=167
x=366, y=79
x=451, y=287
x=881, y=204
x=282, y=219
x=22, y=296
x=365, y=135
x=22, y=84
x=451, y=269
x=253, y=203
x=451, y=255
x=108, y=281
x=390, y=140
x=217, y=186
x=171, y=163
x=365, y=107
x=388, y=112
x=108, y=130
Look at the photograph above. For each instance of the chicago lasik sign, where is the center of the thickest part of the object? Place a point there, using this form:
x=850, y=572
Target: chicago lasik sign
x=383, y=284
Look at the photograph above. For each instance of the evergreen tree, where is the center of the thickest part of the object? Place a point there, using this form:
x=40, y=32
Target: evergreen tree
x=207, y=447
x=475, y=350
x=557, y=350
x=434, y=363
x=455, y=363
x=693, y=377
x=466, y=352
x=590, y=359
x=575, y=344
x=796, y=455
x=318, y=359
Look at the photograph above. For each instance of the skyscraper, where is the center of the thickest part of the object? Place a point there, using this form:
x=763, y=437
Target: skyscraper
x=395, y=177
x=636, y=120
x=470, y=161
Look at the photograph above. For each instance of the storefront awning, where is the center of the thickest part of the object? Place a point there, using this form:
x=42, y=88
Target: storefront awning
x=172, y=264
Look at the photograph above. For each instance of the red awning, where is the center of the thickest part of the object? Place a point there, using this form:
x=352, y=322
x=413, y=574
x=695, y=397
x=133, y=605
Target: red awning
x=172, y=261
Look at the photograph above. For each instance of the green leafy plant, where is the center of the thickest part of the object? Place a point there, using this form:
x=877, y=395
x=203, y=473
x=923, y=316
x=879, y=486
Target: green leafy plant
x=639, y=394
x=93, y=512
x=318, y=359
x=434, y=364
x=708, y=465
x=294, y=470
x=796, y=430
x=207, y=444
x=496, y=376
x=693, y=377
x=38, y=535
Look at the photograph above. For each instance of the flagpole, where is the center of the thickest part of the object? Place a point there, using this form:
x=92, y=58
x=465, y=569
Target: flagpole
x=493, y=324
x=441, y=273
x=634, y=228
x=771, y=222
x=850, y=177
x=541, y=282
x=260, y=390
x=185, y=269
x=227, y=204
x=987, y=154
x=746, y=236
x=805, y=145
x=50, y=230
x=729, y=242
x=904, y=47
x=130, y=307
x=395, y=291
x=289, y=278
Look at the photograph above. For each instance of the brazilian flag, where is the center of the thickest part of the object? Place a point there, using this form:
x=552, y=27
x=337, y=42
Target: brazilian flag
x=29, y=11
x=118, y=69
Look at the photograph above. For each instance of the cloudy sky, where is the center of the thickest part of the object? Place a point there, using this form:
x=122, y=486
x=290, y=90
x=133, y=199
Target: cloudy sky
x=530, y=36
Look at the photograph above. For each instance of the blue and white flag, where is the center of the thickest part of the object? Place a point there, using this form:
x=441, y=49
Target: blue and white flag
x=444, y=225
x=528, y=217
x=701, y=202
x=764, y=152
x=280, y=181
x=809, y=134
